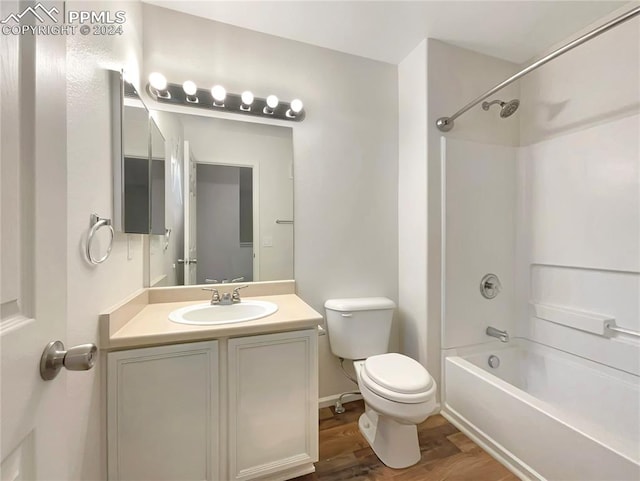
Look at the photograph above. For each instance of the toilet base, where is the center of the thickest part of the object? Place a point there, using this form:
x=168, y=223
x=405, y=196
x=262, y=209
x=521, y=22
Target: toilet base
x=395, y=444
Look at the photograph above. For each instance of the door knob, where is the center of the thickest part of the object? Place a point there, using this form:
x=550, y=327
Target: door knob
x=187, y=261
x=78, y=358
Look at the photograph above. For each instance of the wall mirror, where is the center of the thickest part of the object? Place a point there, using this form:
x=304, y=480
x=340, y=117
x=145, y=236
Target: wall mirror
x=229, y=202
x=138, y=163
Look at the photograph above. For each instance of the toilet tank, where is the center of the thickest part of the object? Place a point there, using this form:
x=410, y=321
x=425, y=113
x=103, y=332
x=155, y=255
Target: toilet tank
x=359, y=327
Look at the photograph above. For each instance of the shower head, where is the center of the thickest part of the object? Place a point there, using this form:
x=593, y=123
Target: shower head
x=506, y=108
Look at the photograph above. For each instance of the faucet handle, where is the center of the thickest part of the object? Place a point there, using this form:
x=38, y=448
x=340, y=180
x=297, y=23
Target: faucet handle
x=210, y=281
x=236, y=295
x=238, y=279
x=215, y=296
x=490, y=286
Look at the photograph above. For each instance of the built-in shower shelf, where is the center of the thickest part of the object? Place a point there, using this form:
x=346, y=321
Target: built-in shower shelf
x=584, y=321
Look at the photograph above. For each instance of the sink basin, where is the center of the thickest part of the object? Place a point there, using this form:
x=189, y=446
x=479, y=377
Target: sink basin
x=207, y=314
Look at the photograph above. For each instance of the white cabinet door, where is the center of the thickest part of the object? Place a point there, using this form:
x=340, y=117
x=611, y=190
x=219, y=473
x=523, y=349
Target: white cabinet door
x=163, y=413
x=273, y=403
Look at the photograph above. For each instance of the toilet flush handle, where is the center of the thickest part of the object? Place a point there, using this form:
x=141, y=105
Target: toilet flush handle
x=346, y=314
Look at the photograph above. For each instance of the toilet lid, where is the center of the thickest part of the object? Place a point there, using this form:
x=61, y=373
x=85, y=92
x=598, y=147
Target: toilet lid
x=398, y=373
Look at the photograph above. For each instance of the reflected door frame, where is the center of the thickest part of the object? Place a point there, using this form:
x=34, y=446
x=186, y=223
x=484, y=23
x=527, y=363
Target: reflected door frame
x=190, y=247
x=255, y=185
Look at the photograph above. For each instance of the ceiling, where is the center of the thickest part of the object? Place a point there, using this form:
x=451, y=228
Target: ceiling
x=389, y=30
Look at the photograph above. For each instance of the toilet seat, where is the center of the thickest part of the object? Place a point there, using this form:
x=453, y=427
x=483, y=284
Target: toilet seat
x=397, y=378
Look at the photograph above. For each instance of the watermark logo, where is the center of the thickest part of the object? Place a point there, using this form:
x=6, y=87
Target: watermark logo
x=84, y=22
x=33, y=11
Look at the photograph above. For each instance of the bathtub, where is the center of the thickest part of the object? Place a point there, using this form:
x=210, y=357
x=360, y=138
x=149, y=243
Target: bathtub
x=544, y=413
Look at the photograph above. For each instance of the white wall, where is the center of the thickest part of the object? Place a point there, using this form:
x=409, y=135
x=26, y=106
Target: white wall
x=93, y=289
x=412, y=203
x=579, y=176
x=345, y=151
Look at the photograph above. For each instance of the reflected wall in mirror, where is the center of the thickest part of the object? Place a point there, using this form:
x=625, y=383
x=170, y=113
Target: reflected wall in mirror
x=157, y=269
x=135, y=146
x=227, y=183
x=157, y=175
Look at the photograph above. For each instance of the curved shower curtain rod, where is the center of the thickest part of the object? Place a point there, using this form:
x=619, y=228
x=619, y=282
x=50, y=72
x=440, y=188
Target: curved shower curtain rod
x=445, y=124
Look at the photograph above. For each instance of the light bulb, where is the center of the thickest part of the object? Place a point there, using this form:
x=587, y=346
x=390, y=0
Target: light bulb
x=158, y=81
x=247, y=97
x=296, y=106
x=190, y=88
x=272, y=101
x=218, y=93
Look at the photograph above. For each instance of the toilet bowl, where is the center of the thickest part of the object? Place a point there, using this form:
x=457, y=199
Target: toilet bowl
x=399, y=394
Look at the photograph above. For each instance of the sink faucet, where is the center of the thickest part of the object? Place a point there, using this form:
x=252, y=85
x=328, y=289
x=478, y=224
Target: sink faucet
x=215, y=296
x=227, y=298
x=224, y=281
x=235, y=297
x=502, y=335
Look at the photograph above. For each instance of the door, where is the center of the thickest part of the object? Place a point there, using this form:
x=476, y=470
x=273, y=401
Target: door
x=33, y=253
x=226, y=222
x=190, y=185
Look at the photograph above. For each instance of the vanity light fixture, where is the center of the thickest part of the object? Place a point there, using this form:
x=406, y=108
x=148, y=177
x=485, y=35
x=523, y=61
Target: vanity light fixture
x=159, y=83
x=218, y=93
x=295, y=108
x=247, y=100
x=272, y=103
x=190, y=89
x=218, y=99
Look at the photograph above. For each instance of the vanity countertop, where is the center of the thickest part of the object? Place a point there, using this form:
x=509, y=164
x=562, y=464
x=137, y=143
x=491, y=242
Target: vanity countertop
x=151, y=326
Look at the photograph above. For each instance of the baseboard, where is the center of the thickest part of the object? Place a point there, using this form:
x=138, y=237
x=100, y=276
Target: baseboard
x=291, y=473
x=325, y=402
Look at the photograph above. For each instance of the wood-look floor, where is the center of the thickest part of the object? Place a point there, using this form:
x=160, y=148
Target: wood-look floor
x=447, y=454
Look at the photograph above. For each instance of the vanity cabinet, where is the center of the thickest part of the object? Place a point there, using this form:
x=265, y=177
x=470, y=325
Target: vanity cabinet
x=273, y=403
x=230, y=409
x=163, y=413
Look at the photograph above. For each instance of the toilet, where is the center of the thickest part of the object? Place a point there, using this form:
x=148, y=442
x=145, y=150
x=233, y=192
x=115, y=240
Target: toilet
x=398, y=392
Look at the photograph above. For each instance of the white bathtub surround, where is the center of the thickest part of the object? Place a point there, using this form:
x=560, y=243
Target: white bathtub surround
x=563, y=403
x=581, y=195
x=574, y=264
x=563, y=235
x=478, y=238
x=546, y=414
x=580, y=232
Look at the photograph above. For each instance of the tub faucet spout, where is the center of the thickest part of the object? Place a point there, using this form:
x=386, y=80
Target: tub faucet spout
x=502, y=335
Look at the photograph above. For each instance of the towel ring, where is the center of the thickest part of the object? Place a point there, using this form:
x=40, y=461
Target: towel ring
x=96, y=223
